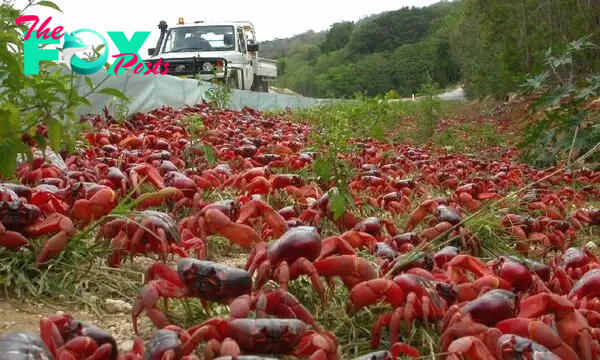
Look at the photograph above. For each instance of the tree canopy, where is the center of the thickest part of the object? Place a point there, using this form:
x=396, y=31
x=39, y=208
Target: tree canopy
x=487, y=45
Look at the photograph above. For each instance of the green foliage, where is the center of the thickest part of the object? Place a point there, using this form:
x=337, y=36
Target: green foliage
x=499, y=42
x=333, y=127
x=488, y=45
x=391, y=51
x=568, y=129
x=469, y=137
x=412, y=65
x=389, y=31
x=337, y=37
x=219, y=95
x=273, y=49
x=28, y=101
x=429, y=108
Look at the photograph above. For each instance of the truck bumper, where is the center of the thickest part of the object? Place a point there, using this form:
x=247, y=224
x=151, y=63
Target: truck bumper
x=209, y=77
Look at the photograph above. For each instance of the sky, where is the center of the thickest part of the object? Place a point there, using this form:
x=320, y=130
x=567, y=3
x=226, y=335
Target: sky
x=271, y=18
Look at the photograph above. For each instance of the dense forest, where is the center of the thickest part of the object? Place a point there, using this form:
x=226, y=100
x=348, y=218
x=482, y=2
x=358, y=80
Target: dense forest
x=490, y=46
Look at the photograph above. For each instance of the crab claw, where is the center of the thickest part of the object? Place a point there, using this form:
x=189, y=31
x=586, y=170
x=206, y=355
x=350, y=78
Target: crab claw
x=12, y=240
x=400, y=348
x=351, y=268
x=540, y=333
x=241, y=234
x=469, y=263
x=55, y=223
x=148, y=171
x=469, y=347
x=371, y=291
x=98, y=205
x=258, y=207
x=418, y=214
x=158, y=198
x=131, y=142
x=541, y=304
x=148, y=297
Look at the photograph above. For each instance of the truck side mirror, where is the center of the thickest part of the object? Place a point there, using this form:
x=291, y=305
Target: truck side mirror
x=151, y=51
x=252, y=47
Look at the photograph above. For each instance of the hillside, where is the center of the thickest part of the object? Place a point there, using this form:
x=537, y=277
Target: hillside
x=489, y=46
x=273, y=49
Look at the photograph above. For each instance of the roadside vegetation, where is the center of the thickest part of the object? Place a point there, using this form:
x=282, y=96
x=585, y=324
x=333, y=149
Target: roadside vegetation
x=488, y=46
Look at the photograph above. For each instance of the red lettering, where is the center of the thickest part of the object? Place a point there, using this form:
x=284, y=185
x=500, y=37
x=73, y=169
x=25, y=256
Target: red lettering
x=26, y=18
x=56, y=33
x=155, y=67
x=166, y=70
x=138, y=69
x=148, y=69
x=128, y=64
x=42, y=31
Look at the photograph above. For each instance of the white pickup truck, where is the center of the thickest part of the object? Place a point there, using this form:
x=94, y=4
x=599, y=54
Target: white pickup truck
x=205, y=50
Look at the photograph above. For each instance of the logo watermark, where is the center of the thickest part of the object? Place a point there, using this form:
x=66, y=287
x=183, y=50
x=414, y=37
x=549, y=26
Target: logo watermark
x=72, y=44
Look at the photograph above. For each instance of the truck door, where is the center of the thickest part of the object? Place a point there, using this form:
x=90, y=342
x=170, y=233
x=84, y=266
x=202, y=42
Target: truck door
x=248, y=69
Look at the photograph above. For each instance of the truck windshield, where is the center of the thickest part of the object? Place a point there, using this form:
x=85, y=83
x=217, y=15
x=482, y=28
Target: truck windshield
x=199, y=38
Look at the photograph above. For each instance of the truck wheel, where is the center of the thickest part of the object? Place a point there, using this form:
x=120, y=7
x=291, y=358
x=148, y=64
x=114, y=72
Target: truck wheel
x=261, y=85
x=255, y=84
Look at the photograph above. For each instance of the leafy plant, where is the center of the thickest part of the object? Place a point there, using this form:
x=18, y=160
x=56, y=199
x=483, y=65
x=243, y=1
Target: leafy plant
x=219, y=94
x=429, y=108
x=194, y=125
x=568, y=128
x=332, y=139
x=30, y=104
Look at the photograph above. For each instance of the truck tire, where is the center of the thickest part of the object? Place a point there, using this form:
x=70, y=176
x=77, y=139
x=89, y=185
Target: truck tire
x=256, y=84
x=232, y=80
x=261, y=85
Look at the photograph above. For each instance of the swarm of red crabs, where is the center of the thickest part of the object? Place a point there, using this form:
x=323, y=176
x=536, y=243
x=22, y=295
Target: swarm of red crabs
x=406, y=245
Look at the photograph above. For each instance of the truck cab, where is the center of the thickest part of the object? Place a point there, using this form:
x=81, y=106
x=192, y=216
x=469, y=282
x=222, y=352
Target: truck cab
x=209, y=50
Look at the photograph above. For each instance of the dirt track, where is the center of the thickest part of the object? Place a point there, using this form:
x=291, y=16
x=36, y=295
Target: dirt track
x=24, y=315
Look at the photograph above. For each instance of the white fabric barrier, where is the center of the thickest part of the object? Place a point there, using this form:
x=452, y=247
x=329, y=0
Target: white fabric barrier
x=148, y=92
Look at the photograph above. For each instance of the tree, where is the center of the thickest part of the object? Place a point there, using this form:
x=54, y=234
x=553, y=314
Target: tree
x=337, y=37
x=498, y=42
x=373, y=74
x=410, y=66
x=389, y=31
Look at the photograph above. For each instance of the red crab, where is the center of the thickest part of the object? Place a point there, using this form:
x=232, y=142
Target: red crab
x=18, y=218
x=147, y=232
x=205, y=280
x=219, y=218
x=90, y=201
x=275, y=336
x=571, y=324
x=296, y=253
x=476, y=317
x=411, y=296
x=70, y=339
x=508, y=346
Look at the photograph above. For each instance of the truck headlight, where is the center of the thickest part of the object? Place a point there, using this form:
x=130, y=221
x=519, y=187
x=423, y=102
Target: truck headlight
x=207, y=66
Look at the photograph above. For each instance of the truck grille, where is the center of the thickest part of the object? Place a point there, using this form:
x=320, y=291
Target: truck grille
x=180, y=68
x=192, y=66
